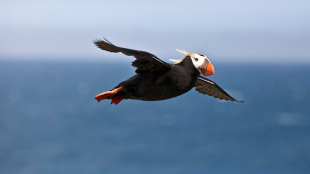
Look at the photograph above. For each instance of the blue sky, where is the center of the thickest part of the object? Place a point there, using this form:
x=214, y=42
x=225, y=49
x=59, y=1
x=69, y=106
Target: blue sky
x=261, y=31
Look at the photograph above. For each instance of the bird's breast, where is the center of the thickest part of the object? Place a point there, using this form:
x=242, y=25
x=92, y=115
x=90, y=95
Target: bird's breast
x=152, y=86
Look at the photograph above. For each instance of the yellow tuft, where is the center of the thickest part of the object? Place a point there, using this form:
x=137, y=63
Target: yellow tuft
x=176, y=60
x=179, y=60
x=184, y=52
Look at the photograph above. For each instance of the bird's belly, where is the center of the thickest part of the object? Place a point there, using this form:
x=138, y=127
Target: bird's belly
x=148, y=89
x=157, y=93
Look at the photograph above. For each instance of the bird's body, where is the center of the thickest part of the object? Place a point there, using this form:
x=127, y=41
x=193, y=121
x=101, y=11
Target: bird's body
x=157, y=80
x=160, y=85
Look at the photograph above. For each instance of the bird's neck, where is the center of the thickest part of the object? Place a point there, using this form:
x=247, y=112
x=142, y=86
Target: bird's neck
x=188, y=65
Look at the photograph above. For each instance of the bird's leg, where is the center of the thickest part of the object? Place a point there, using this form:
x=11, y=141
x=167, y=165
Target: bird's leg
x=109, y=95
x=116, y=100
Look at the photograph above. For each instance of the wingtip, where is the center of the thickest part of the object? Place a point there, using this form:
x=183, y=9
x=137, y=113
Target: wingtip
x=96, y=41
x=102, y=40
x=107, y=41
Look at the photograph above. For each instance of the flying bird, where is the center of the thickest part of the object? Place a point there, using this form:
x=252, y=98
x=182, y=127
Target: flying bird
x=157, y=80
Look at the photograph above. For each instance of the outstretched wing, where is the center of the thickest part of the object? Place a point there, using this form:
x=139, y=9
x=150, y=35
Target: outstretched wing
x=144, y=61
x=206, y=86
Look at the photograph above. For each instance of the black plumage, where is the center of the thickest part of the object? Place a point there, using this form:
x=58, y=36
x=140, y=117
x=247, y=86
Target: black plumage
x=158, y=80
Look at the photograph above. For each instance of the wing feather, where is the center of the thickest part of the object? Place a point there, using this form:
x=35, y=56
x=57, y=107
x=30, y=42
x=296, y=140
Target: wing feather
x=206, y=86
x=144, y=61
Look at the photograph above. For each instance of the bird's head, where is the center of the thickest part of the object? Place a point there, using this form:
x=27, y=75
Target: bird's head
x=201, y=62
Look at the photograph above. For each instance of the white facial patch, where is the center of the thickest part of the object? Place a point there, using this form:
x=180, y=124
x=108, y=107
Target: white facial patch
x=197, y=59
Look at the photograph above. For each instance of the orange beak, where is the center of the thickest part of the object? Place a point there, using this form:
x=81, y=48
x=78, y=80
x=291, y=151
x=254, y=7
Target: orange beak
x=206, y=69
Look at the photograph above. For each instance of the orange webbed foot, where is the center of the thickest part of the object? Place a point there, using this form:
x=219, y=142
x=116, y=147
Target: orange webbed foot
x=116, y=100
x=109, y=95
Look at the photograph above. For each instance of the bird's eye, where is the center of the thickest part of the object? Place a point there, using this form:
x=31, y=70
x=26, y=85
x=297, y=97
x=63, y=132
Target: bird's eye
x=202, y=55
x=196, y=59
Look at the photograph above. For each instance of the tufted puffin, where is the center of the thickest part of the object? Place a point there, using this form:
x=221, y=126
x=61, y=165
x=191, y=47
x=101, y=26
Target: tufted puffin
x=157, y=80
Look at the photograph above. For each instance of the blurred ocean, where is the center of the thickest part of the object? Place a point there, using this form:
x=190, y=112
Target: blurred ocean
x=50, y=122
